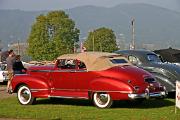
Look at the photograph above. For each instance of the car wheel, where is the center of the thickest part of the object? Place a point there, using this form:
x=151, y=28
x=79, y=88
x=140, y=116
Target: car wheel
x=25, y=96
x=102, y=100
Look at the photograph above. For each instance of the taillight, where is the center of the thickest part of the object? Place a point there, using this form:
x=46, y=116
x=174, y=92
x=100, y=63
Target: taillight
x=136, y=88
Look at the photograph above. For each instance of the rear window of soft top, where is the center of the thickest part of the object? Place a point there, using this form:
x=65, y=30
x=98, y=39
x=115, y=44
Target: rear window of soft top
x=118, y=61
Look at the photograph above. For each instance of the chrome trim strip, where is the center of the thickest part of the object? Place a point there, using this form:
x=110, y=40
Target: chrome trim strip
x=76, y=90
x=124, y=92
x=68, y=97
x=40, y=70
x=70, y=70
x=63, y=89
x=64, y=70
x=90, y=90
x=166, y=80
x=69, y=89
x=37, y=90
x=20, y=74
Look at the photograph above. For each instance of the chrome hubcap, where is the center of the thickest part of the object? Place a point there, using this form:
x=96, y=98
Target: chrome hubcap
x=25, y=95
x=102, y=98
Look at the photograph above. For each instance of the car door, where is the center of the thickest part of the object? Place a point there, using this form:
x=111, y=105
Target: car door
x=63, y=82
x=82, y=78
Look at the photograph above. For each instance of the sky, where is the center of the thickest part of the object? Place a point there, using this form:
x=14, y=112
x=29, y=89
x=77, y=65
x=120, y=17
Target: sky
x=34, y=5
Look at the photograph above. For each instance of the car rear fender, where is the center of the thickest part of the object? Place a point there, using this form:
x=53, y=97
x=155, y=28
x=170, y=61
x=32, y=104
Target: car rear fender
x=110, y=86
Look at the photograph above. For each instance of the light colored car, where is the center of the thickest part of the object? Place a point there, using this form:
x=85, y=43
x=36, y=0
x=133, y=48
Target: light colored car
x=3, y=73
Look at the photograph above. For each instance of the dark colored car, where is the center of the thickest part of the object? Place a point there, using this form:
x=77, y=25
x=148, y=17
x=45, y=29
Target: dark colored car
x=169, y=55
x=101, y=77
x=165, y=73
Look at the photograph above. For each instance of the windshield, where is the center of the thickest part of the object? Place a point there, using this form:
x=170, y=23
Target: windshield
x=153, y=58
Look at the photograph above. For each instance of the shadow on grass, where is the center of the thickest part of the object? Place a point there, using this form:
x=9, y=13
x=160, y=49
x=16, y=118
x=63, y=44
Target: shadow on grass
x=171, y=95
x=153, y=103
x=56, y=101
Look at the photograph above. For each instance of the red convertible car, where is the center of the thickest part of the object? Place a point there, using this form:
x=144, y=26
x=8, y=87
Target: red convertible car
x=101, y=77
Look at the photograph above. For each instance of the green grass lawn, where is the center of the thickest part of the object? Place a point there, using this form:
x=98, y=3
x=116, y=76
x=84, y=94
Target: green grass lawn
x=84, y=110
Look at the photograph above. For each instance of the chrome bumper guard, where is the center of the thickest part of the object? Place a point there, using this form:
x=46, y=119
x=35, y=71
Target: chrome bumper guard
x=147, y=95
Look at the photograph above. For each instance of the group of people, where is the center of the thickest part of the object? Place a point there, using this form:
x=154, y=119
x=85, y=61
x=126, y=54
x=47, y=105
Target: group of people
x=14, y=66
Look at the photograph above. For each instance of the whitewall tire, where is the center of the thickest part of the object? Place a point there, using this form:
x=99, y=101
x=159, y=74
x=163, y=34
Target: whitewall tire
x=102, y=100
x=25, y=96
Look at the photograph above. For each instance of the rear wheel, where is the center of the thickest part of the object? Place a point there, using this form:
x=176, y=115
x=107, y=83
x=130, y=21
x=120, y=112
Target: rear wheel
x=102, y=100
x=25, y=96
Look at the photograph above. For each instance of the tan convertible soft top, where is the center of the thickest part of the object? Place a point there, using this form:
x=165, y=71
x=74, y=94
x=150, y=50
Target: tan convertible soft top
x=96, y=61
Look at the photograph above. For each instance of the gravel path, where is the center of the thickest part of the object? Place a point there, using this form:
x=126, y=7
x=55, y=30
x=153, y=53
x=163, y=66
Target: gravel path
x=3, y=93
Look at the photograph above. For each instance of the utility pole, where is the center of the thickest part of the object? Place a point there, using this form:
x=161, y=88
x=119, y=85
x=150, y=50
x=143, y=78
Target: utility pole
x=132, y=45
x=93, y=40
x=18, y=48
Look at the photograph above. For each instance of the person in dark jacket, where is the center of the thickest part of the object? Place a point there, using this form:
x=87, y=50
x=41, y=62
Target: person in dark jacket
x=18, y=67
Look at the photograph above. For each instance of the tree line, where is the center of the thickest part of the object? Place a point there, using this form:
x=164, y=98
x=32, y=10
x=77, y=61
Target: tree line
x=55, y=34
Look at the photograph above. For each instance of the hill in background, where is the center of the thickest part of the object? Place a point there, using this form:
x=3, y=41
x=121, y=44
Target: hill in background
x=154, y=25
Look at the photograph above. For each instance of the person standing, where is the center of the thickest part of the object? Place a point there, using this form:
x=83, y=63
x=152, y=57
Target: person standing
x=18, y=66
x=10, y=61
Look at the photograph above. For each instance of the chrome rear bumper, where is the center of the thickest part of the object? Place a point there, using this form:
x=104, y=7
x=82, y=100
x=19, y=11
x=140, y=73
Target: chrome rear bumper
x=148, y=95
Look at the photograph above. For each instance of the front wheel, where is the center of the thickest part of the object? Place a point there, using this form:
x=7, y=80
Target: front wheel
x=102, y=100
x=25, y=96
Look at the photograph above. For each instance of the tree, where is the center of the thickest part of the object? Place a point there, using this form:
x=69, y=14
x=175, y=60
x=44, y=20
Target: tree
x=52, y=35
x=102, y=39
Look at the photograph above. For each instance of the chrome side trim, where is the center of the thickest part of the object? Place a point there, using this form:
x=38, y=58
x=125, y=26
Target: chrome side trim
x=68, y=97
x=40, y=70
x=59, y=89
x=79, y=90
x=65, y=70
x=166, y=81
x=37, y=90
x=70, y=70
x=90, y=90
x=21, y=74
x=124, y=92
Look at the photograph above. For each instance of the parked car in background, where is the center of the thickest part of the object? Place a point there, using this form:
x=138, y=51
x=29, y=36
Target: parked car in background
x=165, y=73
x=169, y=55
x=3, y=73
x=101, y=77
